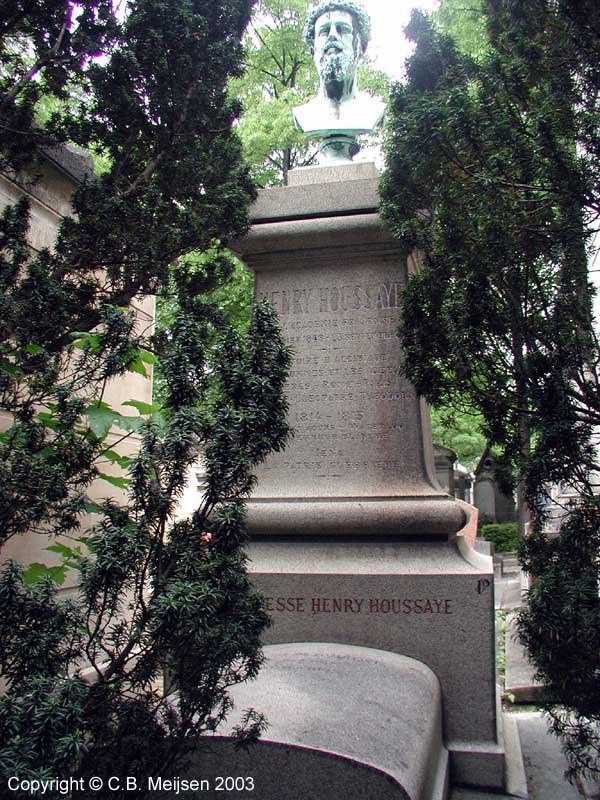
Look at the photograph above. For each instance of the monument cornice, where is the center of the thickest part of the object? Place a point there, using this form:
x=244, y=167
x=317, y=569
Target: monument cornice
x=332, y=199
x=402, y=517
x=340, y=236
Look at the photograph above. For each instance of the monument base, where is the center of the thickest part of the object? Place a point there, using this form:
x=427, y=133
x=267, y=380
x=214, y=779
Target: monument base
x=428, y=601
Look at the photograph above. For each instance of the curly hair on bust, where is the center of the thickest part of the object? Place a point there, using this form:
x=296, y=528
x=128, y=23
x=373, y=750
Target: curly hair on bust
x=363, y=21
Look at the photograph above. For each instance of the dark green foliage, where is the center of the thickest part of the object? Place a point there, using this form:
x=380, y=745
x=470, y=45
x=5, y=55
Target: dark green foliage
x=154, y=593
x=45, y=51
x=176, y=183
x=493, y=175
x=83, y=678
x=41, y=728
x=503, y=535
x=227, y=292
x=560, y=626
x=500, y=313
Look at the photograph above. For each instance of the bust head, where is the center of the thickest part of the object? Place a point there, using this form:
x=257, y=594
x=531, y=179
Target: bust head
x=337, y=34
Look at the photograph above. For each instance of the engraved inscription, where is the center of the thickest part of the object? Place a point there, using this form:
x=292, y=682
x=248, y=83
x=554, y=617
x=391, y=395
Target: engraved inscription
x=348, y=403
x=347, y=297
x=358, y=605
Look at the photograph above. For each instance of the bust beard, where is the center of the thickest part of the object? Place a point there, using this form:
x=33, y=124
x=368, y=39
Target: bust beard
x=339, y=107
x=337, y=74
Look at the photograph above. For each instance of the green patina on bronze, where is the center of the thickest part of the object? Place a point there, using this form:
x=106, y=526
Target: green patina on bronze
x=337, y=34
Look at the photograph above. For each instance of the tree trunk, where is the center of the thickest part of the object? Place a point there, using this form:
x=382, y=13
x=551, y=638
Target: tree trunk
x=286, y=164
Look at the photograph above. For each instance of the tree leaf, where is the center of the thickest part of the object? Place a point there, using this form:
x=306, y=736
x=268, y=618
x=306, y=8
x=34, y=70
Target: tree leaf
x=83, y=340
x=10, y=369
x=116, y=458
x=120, y=483
x=36, y=572
x=130, y=424
x=101, y=419
x=47, y=419
x=62, y=549
x=148, y=357
x=138, y=367
x=143, y=408
x=34, y=349
x=91, y=507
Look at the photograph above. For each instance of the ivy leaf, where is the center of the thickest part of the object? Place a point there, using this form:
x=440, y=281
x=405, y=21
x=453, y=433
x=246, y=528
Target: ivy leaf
x=34, y=349
x=72, y=556
x=87, y=540
x=48, y=420
x=62, y=549
x=142, y=357
x=130, y=424
x=91, y=508
x=138, y=367
x=159, y=421
x=10, y=369
x=148, y=358
x=116, y=458
x=83, y=340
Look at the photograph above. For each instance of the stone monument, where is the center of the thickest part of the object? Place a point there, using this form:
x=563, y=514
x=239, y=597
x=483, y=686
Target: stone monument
x=337, y=34
x=380, y=675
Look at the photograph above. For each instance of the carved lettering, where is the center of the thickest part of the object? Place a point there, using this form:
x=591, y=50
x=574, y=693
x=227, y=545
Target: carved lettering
x=285, y=604
x=348, y=402
x=325, y=299
x=358, y=605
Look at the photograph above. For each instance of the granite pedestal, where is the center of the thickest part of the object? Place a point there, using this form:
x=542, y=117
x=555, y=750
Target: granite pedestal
x=353, y=541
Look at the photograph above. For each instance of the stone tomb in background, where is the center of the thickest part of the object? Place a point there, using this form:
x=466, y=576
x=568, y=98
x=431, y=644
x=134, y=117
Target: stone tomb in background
x=49, y=189
x=354, y=544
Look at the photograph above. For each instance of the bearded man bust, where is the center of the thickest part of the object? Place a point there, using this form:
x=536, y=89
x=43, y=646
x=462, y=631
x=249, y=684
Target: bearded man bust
x=337, y=34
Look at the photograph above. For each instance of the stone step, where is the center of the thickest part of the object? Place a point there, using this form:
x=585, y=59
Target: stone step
x=506, y=564
x=519, y=678
x=545, y=763
x=473, y=794
x=508, y=594
x=510, y=563
x=543, y=766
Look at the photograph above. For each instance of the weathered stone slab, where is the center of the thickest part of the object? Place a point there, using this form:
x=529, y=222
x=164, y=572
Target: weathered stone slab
x=422, y=600
x=349, y=402
x=285, y=772
x=357, y=171
x=349, y=189
x=345, y=721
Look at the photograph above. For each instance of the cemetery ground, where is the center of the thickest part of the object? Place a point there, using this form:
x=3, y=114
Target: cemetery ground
x=543, y=761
